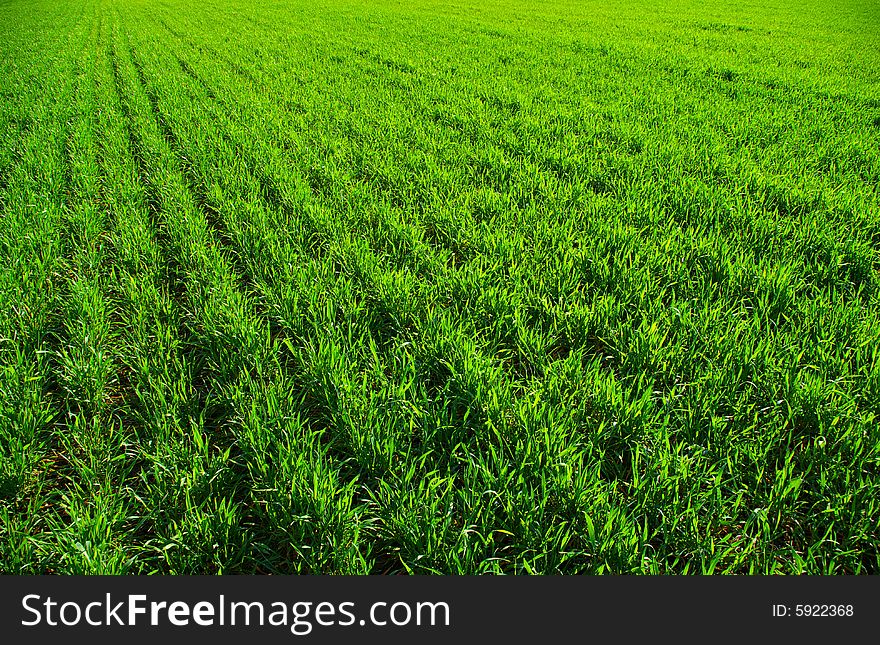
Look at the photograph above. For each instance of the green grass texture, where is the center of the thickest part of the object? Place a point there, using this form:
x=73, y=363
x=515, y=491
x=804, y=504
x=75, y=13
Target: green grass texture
x=439, y=287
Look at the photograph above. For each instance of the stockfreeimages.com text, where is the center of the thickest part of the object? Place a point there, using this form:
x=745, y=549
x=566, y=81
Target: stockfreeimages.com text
x=301, y=617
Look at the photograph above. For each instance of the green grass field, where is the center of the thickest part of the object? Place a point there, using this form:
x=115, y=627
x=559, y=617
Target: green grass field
x=441, y=286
